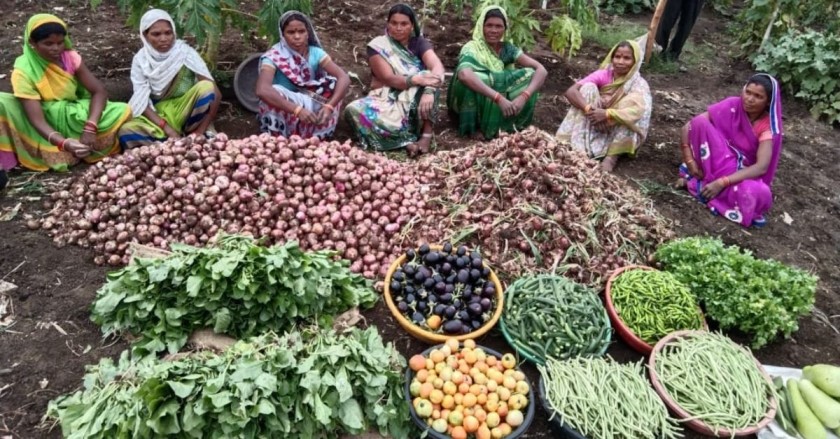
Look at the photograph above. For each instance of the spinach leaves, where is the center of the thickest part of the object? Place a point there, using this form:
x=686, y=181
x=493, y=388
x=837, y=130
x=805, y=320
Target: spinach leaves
x=237, y=287
x=309, y=384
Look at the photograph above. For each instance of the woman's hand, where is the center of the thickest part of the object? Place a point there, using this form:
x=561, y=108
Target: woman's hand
x=171, y=133
x=520, y=102
x=78, y=149
x=712, y=189
x=87, y=138
x=695, y=170
x=308, y=117
x=427, y=79
x=324, y=114
x=508, y=108
x=426, y=107
x=597, y=116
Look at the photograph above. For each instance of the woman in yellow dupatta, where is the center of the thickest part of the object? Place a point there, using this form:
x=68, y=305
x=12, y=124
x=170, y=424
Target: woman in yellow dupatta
x=610, y=108
x=59, y=112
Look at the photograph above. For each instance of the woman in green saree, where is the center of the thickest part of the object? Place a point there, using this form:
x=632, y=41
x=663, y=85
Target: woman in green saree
x=400, y=110
x=58, y=113
x=488, y=93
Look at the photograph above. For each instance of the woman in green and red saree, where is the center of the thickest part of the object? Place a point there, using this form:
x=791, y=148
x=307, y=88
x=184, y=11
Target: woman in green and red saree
x=59, y=112
x=610, y=108
x=488, y=93
x=400, y=110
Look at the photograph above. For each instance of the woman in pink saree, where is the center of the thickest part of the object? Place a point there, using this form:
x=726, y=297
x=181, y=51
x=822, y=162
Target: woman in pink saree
x=730, y=152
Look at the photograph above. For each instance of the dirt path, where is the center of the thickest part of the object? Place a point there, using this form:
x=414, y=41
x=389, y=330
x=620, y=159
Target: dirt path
x=44, y=353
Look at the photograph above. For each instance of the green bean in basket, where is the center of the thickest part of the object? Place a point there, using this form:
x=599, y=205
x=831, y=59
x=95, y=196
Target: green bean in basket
x=714, y=380
x=602, y=399
x=654, y=304
x=551, y=316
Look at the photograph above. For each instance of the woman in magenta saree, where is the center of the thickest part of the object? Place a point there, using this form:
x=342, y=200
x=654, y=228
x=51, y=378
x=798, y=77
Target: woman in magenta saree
x=730, y=152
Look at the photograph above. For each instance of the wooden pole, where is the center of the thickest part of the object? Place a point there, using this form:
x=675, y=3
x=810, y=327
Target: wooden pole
x=654, y=25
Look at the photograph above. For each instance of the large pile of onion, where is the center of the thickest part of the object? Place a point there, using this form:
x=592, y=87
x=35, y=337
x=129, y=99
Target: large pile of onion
x=531, y=204
x=324, y=195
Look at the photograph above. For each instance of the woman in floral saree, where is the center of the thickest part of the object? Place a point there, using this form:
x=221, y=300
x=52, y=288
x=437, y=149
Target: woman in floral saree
x=488, y=93
x=610, y=108
x=59, y=112
x=300, y=87
x=400, y=110
x=730, y=152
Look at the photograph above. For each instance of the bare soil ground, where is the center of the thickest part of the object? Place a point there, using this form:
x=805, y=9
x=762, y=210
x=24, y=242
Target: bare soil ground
x=44, y=353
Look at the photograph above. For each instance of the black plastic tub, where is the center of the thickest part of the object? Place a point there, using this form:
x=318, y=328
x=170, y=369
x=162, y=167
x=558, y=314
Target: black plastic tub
x=529, y=414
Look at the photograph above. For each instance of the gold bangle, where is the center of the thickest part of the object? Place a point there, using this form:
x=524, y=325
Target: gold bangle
x=527, y=94
x=587, y=109
x=298, y=110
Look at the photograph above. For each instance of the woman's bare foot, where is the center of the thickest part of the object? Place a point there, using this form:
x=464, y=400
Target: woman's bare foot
x=609, y=162
x=425, y=143
x=412, y=150
x=679, y=184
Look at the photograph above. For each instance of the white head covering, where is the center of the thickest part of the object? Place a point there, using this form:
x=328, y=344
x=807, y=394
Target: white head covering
x=152, y=71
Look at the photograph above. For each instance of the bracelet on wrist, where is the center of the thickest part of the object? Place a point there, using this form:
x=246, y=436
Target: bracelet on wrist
x=61, y=144
x=162, y=123
x=49, y=138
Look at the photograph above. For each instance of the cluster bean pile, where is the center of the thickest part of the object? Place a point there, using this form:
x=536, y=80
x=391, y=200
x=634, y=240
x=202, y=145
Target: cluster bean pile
x=654, y=304
x=761, y=297
x=531, y=203
x=551, y=316
x=235, y=287
x=302, y=384
x=714, y=381
x=603, y=399
x=324, y=195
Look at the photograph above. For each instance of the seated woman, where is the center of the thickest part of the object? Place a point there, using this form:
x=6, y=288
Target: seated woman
x=401, y=107
x=610, y=108
x=488, y=93
x=174, y=92
x=731, y=151
x=59, y=112
x=300, y=87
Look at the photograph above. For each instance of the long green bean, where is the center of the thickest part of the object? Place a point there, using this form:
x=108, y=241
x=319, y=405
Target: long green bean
x=551, y=316
x=714, y=380
x=602, y=399
x=654, y=304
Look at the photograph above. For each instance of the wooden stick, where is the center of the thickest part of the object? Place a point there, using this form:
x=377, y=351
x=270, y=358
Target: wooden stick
x=654, y=25
x=769, y=27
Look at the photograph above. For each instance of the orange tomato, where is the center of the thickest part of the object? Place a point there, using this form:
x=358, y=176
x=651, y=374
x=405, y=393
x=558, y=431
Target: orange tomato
x=436, y=396
x=469, y=343
x=493, y=420
x=433, y=322
x=481, y=399
x=508, y=361
x=469, y=400
x=471, y=424
x=469, y=357
x=422, y=375
x=426, y=390
x=417, y=363
x=448, y=402
x=453, y=345
x=483, y=432
x=458, y=433
x=491, y=360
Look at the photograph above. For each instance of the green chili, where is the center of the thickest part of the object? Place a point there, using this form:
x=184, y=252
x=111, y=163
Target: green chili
x=653, y=304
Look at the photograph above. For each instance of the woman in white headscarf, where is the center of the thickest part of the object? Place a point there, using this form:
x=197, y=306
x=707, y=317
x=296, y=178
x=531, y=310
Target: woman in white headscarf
x=300, y=87
x=174, y=92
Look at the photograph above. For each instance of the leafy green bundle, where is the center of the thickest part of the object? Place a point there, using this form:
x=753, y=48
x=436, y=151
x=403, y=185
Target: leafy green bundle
x=759, y=297
x=237, y=287
x=306, y=383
